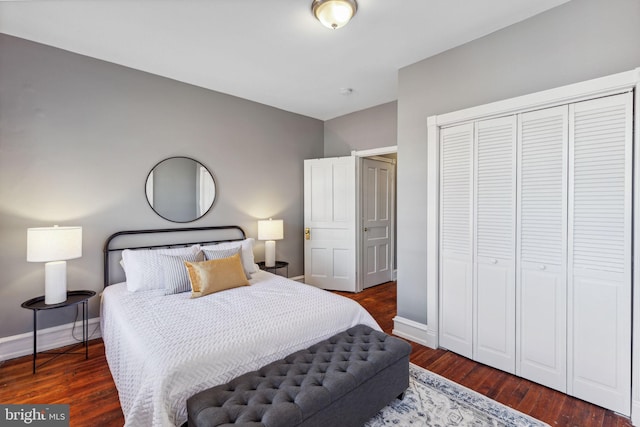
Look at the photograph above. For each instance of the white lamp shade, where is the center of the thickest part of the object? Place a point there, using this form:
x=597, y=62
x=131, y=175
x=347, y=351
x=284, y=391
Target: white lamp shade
x=46, y=244
x=271, y=229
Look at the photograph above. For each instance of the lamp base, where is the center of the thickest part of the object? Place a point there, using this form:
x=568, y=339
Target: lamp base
x=270, y=253
x=55, y=282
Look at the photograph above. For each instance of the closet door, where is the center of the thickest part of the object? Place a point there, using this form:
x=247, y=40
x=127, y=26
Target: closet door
x=456, y=207
x=541, y=281
x=599, y=263
x=494, y=272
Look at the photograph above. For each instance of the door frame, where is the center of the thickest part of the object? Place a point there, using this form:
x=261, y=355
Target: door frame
x=598, y=87
x=360, y=155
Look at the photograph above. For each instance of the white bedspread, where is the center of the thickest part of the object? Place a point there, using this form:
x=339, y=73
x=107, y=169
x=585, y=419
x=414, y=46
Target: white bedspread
x=163, y=349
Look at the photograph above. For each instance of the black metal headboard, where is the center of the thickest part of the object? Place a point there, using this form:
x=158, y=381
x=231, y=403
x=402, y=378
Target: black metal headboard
x=158, y=238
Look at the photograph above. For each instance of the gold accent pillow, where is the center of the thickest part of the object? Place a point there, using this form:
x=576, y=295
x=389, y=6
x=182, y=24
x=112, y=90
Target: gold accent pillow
x=215, y=275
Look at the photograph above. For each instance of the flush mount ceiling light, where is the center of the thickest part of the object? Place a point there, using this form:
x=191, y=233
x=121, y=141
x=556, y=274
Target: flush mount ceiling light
x=334, y=13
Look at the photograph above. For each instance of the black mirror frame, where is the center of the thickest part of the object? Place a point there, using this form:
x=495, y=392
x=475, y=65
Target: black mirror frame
x=173, y=220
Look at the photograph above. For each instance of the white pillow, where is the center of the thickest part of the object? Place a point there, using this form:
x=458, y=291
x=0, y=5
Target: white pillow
x=248, y=263
x=143, y=267
x=213, y=252
x=175, y=273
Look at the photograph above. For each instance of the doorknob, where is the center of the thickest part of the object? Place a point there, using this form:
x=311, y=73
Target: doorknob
x=366, y=229
x=307, y=233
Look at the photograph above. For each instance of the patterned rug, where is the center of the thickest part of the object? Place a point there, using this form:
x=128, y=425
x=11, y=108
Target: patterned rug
x=434, y=401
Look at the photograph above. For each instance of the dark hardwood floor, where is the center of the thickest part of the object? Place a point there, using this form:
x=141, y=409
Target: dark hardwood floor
x=550, y=406
x=88, y=387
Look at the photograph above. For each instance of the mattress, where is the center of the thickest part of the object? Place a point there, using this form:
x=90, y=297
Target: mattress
x=162, y=349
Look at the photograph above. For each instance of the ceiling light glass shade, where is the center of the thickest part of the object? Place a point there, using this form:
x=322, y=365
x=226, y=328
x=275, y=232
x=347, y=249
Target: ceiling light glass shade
x=334, y=13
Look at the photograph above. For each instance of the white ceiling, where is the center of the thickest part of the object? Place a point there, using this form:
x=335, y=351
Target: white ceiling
x=269, y=51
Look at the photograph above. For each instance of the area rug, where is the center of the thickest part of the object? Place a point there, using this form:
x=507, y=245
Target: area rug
x=434, y=401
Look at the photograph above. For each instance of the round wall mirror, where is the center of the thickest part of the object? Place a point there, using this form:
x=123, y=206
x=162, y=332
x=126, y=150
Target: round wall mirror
x=180, y=189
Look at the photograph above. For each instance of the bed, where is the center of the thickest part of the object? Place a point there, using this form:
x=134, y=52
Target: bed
x=164, y=347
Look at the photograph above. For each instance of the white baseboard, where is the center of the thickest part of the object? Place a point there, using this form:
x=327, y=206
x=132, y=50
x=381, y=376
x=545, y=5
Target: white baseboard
x=298, y=279
x=48, y=339
x=412, y=330
x=635, y=413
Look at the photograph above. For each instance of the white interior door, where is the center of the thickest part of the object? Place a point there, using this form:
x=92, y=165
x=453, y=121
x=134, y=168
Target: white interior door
x=456, y=239
x=599, y=251
x=541, y=282
x=377, y=221
x=330, y=223
x=494, y=274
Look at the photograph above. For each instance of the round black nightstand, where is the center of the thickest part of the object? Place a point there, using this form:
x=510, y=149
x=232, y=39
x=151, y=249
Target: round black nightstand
x=279, y=264
x=73, y=298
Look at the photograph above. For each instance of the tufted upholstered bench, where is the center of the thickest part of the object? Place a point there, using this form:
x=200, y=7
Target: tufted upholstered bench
x=342, y=381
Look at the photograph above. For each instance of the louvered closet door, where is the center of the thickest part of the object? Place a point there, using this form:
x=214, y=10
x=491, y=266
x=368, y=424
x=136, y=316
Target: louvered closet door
x=541, y=282
x=456, y=172
x=495, y=212
x=600, y=143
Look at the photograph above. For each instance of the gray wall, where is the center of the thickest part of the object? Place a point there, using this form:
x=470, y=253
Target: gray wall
x=577, y=41
x=371, y=128
x=78, y=137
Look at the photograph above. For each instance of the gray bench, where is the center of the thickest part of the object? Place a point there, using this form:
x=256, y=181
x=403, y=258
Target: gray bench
x=342, y=381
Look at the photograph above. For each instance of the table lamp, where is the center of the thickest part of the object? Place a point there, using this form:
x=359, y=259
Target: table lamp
x=54, y=245
x=270, y=230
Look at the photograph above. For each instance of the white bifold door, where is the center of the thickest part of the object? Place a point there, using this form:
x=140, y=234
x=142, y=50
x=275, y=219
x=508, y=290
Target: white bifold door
x=456, y=239
x=477, y=234
x=494, y=227
x=535, y=246
x=541, y=284
x=599, y=252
